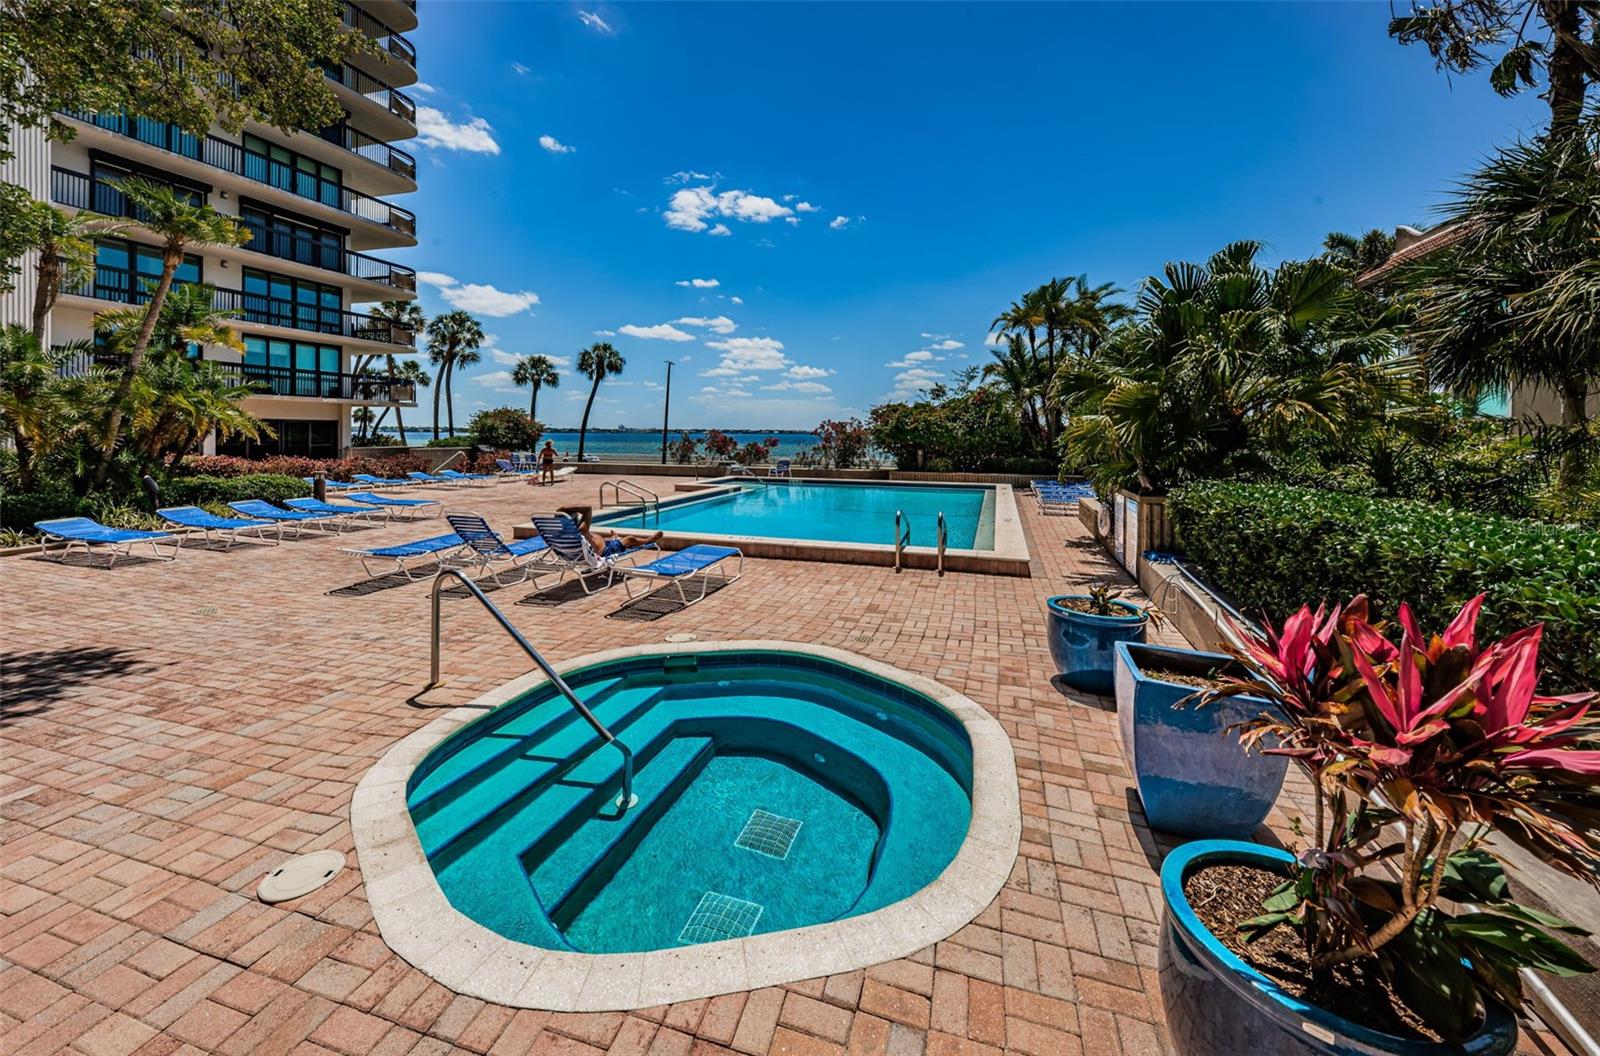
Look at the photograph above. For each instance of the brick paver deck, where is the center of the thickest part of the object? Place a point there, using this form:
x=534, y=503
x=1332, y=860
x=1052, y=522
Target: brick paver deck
x=174, y=731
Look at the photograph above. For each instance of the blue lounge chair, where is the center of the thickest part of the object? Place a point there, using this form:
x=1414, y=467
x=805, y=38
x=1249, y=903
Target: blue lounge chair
x=507, y=466
x=82, y=531
x=780, y=468
x=225, y=529
x=685, y=564
x=1055, y=497
x=418, y=477
x=395, y=505
x=488, y=547
x=467, y=478
x=338, y=509
x=381, y=482
x=336, y=485
x=570, y=551
x=438, y=549
x=267, y=512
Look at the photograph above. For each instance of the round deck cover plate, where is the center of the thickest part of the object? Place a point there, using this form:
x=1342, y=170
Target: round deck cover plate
x=300, y=876
x=682, y=636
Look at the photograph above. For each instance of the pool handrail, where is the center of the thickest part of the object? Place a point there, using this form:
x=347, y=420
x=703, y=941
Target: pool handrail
x=942, y=539
x=646, y=497
x=627, y=799
x=900, y=540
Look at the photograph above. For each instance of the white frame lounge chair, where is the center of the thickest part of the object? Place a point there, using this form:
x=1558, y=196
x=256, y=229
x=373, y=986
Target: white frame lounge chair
x=226, y=530
x=89, y=533
x=681, y=565
x=570, y=551
x=439, y=549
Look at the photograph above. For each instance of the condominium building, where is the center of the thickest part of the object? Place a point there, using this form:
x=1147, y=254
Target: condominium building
x=316, y=205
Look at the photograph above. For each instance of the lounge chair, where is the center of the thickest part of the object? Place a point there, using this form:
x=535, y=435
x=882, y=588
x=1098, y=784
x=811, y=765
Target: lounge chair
x=336, y=485
x=418, y=477
x=264, y=510
x=683, y=565
x=1054, y=497
x=488, y=547
x=471, y=479
x=381, y=482
x=508, y=466
x=570, y=551
x=338, y=509
x=90, y=533
x=438, y=549
x=225, y=529
x=779, y=468
x=737, y=469
x=394, y=505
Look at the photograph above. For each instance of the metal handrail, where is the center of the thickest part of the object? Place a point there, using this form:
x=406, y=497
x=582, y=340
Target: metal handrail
x=624, y=801
x=900, y=540
x=942, y=536
x=646, y=497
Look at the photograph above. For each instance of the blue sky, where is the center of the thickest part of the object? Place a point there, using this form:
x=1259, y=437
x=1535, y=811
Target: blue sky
x=813, y=208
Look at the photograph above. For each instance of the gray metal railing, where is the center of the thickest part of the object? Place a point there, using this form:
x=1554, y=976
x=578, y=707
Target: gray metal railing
x=627, y=799
x=943, y=536
x=900, y=540
x=647, y=498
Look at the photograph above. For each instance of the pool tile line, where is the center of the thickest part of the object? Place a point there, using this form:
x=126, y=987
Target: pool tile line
x=418, y=922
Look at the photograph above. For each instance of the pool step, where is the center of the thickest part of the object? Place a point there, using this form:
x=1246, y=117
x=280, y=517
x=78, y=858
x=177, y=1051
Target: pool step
x=482, y=804
x=568, y=854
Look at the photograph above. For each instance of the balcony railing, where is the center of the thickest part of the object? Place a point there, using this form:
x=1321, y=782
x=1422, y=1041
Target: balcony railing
x=234, y=158
x=286, y=381
x=261, y=310
x=374, y=150
x=362, y=83
x=77, y=191
x=386, y=38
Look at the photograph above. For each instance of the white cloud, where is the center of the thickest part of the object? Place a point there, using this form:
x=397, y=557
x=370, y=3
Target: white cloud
x=720, y=229
x=423, y=88
x=479, y=298
x=700, y=284
x=751, y=353
x=793, y=221
x=839, y=222
x=720, y=324
x=914, y=382
x=595, y=22
x=474, y=135
x=810, y=388
x=911, y=359
x=947, y=345
x=993, y=339
x=685, y=176
x=736, y=300
x=498, y=380
x=521, y=69
x=806, y=207
x=555, y=146
x=659, y=332
x=690, y=208
x=800, y=371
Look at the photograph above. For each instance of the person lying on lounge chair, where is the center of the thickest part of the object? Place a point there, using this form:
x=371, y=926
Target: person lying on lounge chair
x=604, y=545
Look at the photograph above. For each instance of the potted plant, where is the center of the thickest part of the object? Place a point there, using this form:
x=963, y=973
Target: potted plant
x=1084, y=629
x=1189, y=779
x=1392, y=930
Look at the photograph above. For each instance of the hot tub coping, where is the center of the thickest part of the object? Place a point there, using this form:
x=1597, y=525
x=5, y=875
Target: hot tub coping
x=418, y=922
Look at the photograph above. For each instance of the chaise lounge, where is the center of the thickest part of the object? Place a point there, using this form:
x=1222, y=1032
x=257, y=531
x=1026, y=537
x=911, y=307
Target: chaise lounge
x=264, y=510
x=682, y=566
x=488, y=547
x=437, y=549
x=83, y=531
x=225, y=530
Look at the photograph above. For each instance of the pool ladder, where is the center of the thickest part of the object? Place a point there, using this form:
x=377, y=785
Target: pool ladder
x=647, y=499
x=902, y=538
x=624, y=801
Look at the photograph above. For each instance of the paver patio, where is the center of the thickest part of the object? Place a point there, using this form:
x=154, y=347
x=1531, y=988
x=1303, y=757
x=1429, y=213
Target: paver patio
x=173, y=731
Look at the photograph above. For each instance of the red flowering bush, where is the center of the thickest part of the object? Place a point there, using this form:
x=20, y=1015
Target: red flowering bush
x=1419, y=750
x=294, y=466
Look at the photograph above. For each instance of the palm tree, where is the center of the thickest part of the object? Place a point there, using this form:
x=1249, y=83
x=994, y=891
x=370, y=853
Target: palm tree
x=407, y=370
x=449, y=335
x=595, y=363
x=65, y=242
x=465, y=358
x=188, y=318
x=176, y=404
x=537, y=371
x=397, y=315
x=1358, y=253
x=32, y=409
x=1019, y=375
x=181, y=225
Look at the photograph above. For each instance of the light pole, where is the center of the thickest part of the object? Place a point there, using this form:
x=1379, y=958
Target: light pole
x=666, y=407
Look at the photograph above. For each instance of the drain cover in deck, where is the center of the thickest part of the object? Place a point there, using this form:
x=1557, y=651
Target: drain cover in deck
x=769, y=834
x=720, y=917
x=300, y=875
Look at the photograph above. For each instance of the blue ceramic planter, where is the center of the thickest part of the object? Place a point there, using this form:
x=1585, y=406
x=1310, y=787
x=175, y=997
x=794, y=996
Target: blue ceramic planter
x=1193, y=777
x=1082, y=643
x=1217, y=1005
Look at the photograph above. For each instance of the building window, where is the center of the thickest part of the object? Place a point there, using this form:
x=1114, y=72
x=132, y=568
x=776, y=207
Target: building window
x=105, y=176
x=294, y=240
x=316, y=439
x=284, y=169
x=293, y=368
x=127, y=271
x=278, y=300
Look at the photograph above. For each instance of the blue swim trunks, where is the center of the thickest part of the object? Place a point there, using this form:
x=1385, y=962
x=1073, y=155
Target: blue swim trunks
x=613, y=547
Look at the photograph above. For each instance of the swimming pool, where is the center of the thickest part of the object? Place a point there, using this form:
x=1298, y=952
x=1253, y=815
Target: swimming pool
x=832, y=511
x=801, y=812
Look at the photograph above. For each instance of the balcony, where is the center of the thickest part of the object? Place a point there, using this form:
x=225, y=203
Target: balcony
x=234, y=158
x=373, y=90
x=389, y=40
x=78, y=191
x=269, y=381
x=374, y=150
x=261, y=310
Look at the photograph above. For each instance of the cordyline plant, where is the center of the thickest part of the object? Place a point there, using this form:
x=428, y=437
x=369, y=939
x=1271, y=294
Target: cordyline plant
x=1419, y=750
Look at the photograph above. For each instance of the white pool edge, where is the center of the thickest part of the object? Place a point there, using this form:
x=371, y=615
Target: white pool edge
x=418, y=922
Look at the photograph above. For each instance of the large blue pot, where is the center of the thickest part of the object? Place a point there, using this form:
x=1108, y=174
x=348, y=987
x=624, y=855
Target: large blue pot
x=1192, y=775
x=1082, y=643
x=1217, y=1005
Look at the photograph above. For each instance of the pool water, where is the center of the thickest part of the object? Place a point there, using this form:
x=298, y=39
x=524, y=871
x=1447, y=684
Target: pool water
x=829, y=511
x=774, y=791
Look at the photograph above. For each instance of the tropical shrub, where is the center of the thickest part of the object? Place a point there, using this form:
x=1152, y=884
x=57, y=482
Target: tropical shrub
x=719, y=445
x=198, y=491
x=459, y=440
x=506, y=429
x=1417, y=751
x=842, y=444
x=972, y=431
x=1272, y=548
x=19, y=509
x=295, y=466
x=756, y=451
x=683, y=449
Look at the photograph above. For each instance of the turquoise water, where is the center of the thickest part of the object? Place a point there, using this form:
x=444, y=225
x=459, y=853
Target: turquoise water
x=642, y=445
x=833, y=512
x=858, y=790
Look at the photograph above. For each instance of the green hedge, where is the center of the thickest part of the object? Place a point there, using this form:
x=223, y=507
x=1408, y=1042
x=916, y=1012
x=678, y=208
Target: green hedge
x=19, y=509
x=196, y=491
x=1275, y=548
